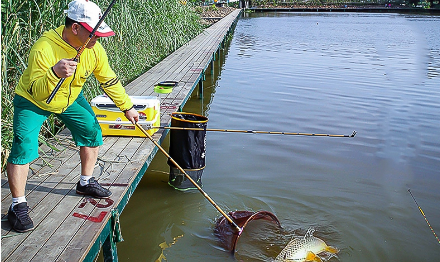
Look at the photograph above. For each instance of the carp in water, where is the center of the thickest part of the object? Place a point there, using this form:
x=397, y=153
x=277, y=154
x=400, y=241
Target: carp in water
x=306, y=248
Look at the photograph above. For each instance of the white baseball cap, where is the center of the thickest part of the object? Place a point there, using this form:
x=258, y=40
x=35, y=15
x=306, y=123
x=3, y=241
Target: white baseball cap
x=88, y=14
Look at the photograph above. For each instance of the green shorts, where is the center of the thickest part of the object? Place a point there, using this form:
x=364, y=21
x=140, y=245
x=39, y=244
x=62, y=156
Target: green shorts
x=79, y=118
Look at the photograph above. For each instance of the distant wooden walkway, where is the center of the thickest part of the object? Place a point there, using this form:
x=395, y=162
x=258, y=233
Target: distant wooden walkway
x=350, y=9
x=69, y=227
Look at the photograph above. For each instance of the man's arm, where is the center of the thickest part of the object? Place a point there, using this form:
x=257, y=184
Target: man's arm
x=111, y=85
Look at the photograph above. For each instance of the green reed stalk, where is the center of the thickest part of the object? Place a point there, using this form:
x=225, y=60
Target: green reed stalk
x=146, y=32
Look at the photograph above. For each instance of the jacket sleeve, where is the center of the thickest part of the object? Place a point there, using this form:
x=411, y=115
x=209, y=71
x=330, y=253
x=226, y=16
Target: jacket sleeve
x=110, y=83
x=42, y=79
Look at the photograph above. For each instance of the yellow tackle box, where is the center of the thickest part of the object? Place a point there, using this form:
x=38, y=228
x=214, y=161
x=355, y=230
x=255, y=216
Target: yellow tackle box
x=113, y=121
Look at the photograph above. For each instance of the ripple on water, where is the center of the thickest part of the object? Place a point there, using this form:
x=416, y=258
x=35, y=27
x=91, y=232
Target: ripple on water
x=313, y=73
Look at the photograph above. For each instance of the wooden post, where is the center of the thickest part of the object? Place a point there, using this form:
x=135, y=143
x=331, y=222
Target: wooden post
x=109, y=249
x=218, y=50
x=244, y=4
x=201, y=88
x=212, y=66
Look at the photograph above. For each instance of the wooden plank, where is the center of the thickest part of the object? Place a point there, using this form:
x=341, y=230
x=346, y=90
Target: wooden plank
x=33, y=185
x=41, y=166
x=46, y=197
x=78, y=215
x=126, y=171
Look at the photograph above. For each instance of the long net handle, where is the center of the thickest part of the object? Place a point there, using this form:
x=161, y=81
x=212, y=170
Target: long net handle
x=190, y=179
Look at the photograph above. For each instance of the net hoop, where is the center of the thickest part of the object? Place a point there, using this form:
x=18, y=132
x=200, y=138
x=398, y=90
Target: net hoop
x=228, y=235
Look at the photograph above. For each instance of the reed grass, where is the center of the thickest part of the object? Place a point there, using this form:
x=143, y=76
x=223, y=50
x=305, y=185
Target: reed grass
x=146, y=32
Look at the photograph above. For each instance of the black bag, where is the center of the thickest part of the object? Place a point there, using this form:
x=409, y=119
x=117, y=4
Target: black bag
x=187, y=148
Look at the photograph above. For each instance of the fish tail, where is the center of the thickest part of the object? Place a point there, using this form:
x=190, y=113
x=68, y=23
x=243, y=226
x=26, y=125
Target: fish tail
x=331, y=250
x=312, y=257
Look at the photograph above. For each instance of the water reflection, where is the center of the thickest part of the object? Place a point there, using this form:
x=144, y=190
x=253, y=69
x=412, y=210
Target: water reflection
x=315, y=73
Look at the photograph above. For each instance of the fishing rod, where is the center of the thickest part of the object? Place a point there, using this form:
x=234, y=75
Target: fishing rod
x=423, y=214
x=239, y=229
x=57, y=87
x=251, y=131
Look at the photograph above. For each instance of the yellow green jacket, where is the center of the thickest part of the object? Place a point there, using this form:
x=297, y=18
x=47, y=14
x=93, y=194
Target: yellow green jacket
x=38, y=80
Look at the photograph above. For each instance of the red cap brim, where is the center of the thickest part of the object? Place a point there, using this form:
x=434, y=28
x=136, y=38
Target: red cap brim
x=97, y=33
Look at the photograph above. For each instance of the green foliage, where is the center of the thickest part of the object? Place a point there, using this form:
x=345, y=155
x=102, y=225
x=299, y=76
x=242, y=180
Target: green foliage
x=198, y=9
x=146, y=32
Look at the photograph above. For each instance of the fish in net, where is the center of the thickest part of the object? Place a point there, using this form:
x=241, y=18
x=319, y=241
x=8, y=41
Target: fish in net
x=306, y=248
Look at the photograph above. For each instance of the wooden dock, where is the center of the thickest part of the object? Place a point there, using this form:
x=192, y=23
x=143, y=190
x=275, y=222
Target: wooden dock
x=69, y=227
x=351, y=9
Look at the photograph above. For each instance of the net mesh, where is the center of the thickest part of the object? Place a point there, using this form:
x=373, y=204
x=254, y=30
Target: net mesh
x=228, y=235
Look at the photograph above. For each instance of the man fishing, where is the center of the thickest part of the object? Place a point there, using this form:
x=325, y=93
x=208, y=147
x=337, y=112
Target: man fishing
x=50, y=60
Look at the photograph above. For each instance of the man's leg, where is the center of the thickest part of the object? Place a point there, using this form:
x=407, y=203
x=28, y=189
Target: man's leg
x=87, y=184
x=17, y=177
x=18, y=216
x=88, y=156
x=28, y=119
x=86, y=132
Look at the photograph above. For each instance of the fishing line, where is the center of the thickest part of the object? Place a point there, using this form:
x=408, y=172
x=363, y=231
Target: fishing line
x=423, y=214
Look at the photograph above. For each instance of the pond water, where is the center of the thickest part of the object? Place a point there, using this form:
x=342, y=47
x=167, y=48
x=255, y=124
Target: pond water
x=331, y=73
